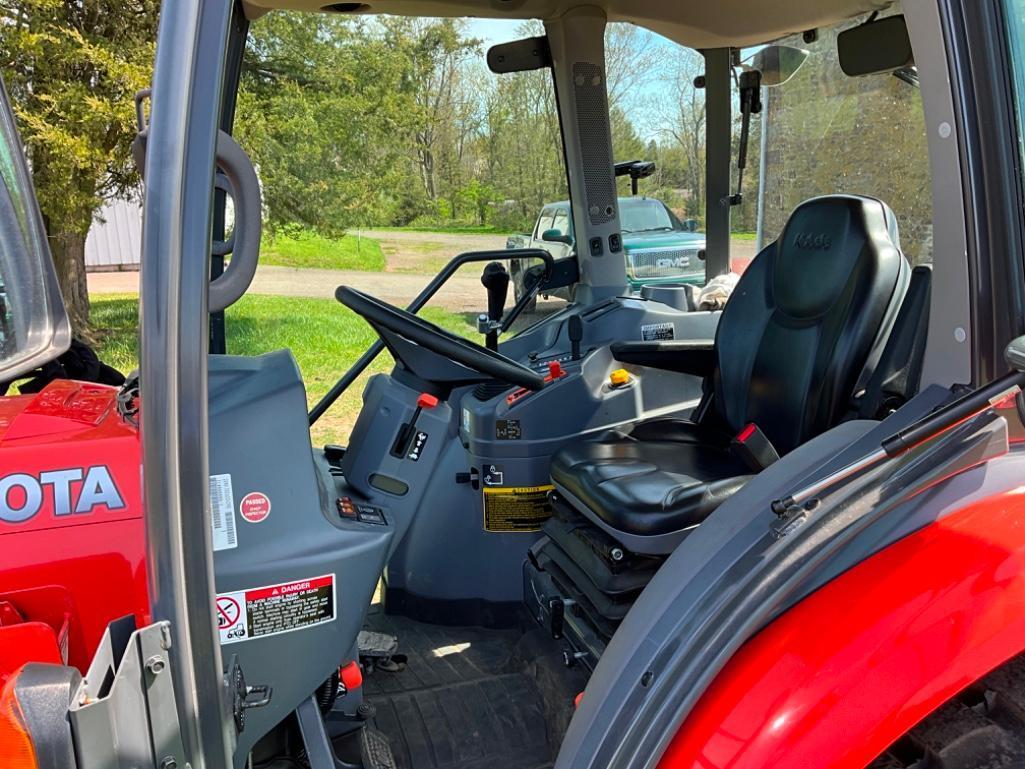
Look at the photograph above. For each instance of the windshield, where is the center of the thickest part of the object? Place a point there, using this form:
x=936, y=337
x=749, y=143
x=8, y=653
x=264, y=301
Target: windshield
x=644, y=215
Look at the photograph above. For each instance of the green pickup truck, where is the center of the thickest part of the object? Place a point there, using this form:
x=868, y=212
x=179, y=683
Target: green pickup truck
x=659, y=247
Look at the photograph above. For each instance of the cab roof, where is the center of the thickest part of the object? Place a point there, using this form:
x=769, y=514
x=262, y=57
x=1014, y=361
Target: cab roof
x=693, y=23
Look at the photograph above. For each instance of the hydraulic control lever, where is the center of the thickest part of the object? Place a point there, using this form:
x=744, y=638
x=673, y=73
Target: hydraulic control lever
x=575, y=331
x=495, y=280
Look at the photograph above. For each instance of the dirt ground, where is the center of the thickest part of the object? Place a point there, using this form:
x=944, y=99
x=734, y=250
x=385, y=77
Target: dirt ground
x=412, y=258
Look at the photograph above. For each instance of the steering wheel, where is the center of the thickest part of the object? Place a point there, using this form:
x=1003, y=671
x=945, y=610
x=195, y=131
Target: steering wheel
x=394, y=326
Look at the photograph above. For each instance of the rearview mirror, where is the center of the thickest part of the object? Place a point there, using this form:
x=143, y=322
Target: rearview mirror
x=556, y=236
x=777, y=63
x=690, y=225
x=519, y=55
x=875, y=47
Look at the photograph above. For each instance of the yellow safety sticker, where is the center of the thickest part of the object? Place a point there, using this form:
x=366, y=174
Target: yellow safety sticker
x=516, y=508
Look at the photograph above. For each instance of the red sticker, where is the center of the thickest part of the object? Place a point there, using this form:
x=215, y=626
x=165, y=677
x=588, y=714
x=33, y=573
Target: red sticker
x=254, y=507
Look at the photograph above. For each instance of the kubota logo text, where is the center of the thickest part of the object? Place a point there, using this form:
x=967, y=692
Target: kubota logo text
x=813, y=241
x=71, y=491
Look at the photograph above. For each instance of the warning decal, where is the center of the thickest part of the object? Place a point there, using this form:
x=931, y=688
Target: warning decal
x=511, y=508
x=222, y=512
x=274, y=609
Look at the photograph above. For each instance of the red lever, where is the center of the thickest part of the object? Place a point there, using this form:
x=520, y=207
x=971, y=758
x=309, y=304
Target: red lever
x=555, y=369
x=426, y=401
x=351, y=676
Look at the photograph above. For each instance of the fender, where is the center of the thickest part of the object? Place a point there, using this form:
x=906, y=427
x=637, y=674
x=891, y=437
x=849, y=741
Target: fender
x=841, y=675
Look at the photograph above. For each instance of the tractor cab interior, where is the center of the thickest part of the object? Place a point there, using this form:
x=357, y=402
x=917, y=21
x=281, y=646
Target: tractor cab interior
x=503, y=502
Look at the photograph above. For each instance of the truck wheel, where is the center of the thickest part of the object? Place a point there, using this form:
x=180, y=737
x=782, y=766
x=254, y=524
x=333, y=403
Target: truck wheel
x=983, y=727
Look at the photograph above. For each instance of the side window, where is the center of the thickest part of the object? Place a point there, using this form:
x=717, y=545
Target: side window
x=544, y=222
x=561, y=221
x=657, y=117
x=876, y=119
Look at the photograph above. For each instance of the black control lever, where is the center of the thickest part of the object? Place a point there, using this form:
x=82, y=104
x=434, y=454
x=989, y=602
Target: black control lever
x=495, y=280
x=575, y=329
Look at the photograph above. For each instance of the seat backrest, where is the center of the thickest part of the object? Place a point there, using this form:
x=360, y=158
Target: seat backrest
x=808, y=316
x=899, y=372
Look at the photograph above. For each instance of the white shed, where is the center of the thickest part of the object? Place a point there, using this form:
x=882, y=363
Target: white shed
x=115, y=239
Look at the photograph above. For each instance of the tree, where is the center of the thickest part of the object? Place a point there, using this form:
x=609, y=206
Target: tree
x=72, y=69
x=323, y=115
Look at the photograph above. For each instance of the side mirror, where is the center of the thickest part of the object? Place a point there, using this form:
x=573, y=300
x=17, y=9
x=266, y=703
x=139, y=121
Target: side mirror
x=1014, y=354
x=777, y=63
x=556, y=236
x=690, y=225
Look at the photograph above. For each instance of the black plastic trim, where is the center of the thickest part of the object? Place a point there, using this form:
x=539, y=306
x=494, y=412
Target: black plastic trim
x=475, y=612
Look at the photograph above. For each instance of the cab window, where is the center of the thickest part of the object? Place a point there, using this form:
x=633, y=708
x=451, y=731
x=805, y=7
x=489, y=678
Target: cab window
x=877, y=122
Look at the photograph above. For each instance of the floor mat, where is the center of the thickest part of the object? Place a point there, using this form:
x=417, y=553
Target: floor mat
x=464, y=701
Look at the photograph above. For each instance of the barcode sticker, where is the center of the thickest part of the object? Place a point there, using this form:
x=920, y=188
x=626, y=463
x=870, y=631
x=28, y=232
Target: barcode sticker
x=222, y=512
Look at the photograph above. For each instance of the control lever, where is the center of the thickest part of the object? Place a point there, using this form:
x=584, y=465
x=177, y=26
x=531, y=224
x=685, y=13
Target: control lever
x=575, y=329
x=408, y=431
x=495, y=280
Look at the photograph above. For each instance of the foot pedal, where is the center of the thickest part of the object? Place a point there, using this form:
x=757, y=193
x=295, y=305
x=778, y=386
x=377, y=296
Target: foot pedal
x=375, y=750
x=377, y=651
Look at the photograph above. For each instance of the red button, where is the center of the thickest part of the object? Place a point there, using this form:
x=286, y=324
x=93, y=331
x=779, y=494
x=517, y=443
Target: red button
x=351, y=676
x=555, y=369
x=426, y=401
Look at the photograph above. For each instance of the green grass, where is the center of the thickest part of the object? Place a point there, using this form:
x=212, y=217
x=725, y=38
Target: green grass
x=324, y=337
x=312, y=250
x=454, y=229
x=743, y=235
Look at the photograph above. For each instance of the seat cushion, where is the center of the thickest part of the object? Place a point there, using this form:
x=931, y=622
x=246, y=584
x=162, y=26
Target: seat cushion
x=650, y=486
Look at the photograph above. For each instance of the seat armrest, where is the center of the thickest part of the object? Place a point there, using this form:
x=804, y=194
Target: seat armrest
x=686, y=356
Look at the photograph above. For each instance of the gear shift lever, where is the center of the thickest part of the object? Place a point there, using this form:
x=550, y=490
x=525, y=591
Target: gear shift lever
x=495, y=280
x=575, y=330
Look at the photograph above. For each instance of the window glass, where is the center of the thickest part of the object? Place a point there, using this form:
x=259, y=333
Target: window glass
x=829, y=133
x=657, y=115
x=1014, y=11
x=645, y=215
x=385, y=145
x=33, y=325
x=561, y=221
x=545, y=222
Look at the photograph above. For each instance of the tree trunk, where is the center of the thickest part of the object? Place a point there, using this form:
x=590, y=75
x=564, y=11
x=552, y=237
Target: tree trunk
x=68, y=250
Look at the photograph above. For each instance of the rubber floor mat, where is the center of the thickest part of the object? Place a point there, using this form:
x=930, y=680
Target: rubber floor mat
x=464, y=700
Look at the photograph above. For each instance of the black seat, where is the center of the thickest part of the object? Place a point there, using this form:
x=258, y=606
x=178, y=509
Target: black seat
x=805, y=322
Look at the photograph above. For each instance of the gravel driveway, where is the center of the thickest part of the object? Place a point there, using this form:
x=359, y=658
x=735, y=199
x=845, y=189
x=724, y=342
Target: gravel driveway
x=402, y=281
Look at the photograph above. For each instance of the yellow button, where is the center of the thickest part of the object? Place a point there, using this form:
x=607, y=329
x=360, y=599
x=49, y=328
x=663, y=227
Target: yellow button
x=619, y=377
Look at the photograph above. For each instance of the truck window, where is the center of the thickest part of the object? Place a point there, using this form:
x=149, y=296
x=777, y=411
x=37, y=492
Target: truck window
x=544, y=222
x=561, y=221
x=878, y=122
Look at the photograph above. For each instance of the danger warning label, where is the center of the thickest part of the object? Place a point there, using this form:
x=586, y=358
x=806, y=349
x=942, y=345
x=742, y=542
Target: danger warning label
x=516, y=508
x=273, y=609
